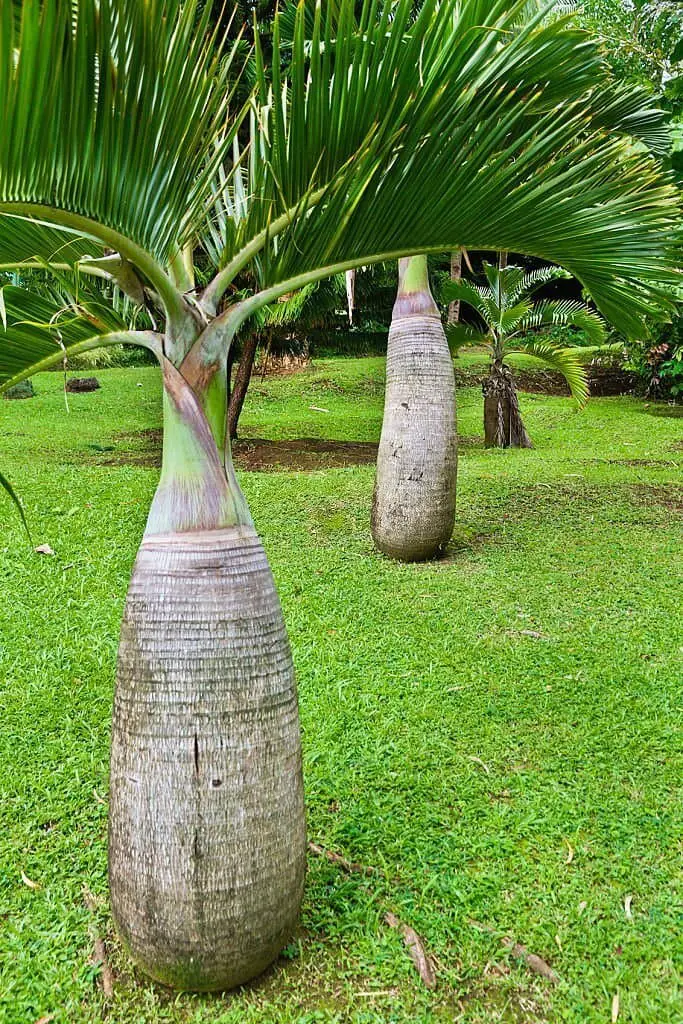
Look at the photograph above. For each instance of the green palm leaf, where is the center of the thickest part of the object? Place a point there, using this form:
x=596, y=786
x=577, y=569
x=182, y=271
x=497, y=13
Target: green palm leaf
x=534, y=279
x=41, y=330
x=465, y=291
x=555, y=184
x=512, y=316
x=28, y=243
x=462, y=335
x=7, y=486
x=565, y=360
x=107, y=110
x=565, y=312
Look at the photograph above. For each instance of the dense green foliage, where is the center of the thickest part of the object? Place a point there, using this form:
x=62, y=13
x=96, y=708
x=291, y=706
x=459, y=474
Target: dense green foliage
x=467, y=723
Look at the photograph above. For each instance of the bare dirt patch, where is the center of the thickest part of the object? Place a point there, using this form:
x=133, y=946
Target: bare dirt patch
x=669, y=496
x=604, y=381
x=642, y=463
x=253, y=453
x=256, y=454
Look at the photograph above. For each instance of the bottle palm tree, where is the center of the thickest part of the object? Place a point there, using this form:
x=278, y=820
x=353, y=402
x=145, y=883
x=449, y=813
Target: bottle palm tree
x=510, y=317
x=119, y=156
x=413, y=509
x=413, y=504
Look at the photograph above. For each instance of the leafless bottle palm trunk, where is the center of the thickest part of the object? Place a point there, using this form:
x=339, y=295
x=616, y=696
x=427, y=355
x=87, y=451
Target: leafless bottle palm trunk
x=207, y=831
x=414, y=501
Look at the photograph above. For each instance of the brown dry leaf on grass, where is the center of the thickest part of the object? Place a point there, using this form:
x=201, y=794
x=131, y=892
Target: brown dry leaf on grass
x=351, y=867
x=416, y=950
x=534, y=962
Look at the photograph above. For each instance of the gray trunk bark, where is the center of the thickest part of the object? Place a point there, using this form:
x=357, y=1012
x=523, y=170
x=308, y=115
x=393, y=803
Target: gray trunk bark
x=414, y=501
x=206, y=826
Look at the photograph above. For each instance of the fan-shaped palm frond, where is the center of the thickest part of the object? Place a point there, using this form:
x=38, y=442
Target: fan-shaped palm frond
x=107, y=110
x=524, y=150
x=564, y=360
x=531, y=163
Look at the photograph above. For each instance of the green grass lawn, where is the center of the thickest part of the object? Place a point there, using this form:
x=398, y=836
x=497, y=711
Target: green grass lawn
x=495, y=733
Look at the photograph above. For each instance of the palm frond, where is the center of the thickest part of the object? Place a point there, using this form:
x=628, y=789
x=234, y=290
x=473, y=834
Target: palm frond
x=512, y=316
x=534, y=279
x=564, y=360
x=41, y=328
x=565, y=312
x=26, y=242
x=107, y=109
x=462, y=335
x=465, y=291
x=587, y=353
x=518, y=153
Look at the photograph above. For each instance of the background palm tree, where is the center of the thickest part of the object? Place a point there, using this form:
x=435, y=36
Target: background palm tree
x=510, y=315
x=413, y=505
x=122, y=150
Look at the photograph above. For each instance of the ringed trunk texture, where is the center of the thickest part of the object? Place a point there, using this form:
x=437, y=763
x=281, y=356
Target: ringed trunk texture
x=503, y=426
x=206, y=822
x=413, y=509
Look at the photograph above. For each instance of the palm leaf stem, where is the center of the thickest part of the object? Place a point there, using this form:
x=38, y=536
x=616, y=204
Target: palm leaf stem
x=7, y=486
x=210, y=343
x=170, y=296
x=55, y=267
x=145, y=339
x=216, y=288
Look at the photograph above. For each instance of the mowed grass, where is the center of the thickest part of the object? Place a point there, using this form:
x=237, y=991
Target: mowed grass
x=497, y=733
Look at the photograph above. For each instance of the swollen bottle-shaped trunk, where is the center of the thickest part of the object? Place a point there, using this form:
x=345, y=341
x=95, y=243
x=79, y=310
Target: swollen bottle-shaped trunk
x=414, y=501
x=207, y=834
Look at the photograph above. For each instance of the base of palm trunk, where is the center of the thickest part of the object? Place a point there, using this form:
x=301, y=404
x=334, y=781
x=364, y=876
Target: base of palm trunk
x=413, y=509
x=503, y=426
x=207, y=831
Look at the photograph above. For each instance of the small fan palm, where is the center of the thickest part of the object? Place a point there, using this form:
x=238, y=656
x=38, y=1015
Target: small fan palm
x=511, y=318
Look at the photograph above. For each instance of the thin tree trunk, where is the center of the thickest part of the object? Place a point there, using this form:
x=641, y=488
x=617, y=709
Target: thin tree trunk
x=240, y=385
x=207, y=831
x=456, y=274
x=503, y=426
x=350, y=293
x=414, y=501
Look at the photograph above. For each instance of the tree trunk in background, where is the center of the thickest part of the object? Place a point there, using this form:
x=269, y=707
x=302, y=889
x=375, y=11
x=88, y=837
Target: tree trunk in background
x=350, y=293
x=503, y=426
x=240, y=385
x=456, y=274
x=206, y=824
x=414, y=501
